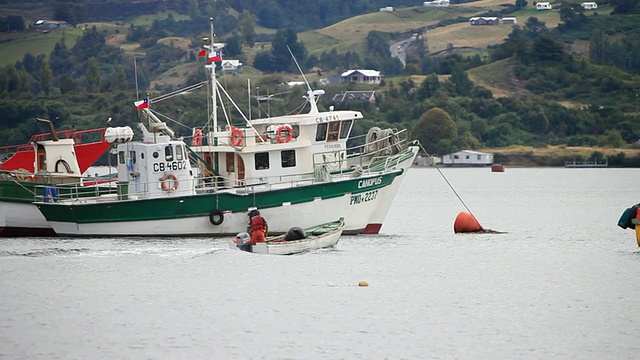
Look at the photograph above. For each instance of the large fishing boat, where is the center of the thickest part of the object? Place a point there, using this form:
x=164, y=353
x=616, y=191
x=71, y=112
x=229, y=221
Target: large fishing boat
x=297, y=169
x=51, y=162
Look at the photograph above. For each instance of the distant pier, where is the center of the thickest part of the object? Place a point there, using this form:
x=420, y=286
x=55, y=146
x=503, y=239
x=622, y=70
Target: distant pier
x=587, y=164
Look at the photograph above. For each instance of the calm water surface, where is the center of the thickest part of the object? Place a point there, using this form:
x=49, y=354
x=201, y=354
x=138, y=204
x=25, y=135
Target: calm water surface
x=562, y=283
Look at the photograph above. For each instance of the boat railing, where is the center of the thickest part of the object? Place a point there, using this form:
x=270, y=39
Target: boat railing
x=379, y=154
x=72, y=191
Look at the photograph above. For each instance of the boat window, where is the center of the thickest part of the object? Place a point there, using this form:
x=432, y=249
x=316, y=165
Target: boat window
x=288, y=158
x=168, y=153
x=179, y=152
x=345, y=129
x=296, y=131
x=230, y=165
x=155, y=154
x=334, y=129
x=121, y=157
x=262, y=161
x=321, y=132
x=132, y=156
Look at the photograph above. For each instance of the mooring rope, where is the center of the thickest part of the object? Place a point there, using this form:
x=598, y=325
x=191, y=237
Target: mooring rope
x=448, y=183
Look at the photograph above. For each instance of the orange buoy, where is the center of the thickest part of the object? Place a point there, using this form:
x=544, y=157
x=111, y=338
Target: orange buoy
x=465, y=223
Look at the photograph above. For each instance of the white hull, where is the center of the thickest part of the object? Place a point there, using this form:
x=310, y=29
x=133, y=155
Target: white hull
x=280, y=219
x=298, y=246
x=22, y=216
x=380, y=213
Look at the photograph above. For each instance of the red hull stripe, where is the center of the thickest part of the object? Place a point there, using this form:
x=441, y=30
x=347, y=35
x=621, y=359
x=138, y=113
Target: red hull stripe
x=372, y=229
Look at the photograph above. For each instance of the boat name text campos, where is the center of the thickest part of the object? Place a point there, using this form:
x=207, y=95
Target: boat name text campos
x=366, y=197
x=332, y=146
x=327, y=118
x=169, y=166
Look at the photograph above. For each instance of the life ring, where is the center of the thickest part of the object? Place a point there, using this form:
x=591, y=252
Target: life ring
x=236, y=136
x=164, y=182
x=280, y=130
x=197, y=137
x=216, y=217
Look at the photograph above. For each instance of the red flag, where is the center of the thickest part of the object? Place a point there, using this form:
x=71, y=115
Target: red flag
x=142, y=104
x=215, y=57
x=202, y=53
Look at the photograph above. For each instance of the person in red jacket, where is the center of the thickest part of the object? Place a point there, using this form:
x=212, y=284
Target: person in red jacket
x=258, y=227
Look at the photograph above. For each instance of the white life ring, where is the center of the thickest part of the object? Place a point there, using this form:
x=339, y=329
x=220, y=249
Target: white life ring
x=289, y=133
x=169, y=178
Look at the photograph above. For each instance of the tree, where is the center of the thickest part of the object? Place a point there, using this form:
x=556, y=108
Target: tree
x=572, y=15
x=279, y=59
x=46, y=78
x=67, y=85
x=247, y=28
x=93, y=75
x=521, y=4
x=545, y=48
x=461, y=81
x=434, y=126
x=194, y=10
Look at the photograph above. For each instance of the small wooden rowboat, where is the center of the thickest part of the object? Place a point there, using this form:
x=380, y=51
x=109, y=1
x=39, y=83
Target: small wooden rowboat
x=312, y=238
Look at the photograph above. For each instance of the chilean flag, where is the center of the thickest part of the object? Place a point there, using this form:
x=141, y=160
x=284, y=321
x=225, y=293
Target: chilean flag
x=215, y=57
x=142, y=104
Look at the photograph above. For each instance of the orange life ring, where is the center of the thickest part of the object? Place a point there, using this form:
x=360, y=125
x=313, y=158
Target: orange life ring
x=164, y=182
x=236, y=136
x=280, y=130
x=197, y=137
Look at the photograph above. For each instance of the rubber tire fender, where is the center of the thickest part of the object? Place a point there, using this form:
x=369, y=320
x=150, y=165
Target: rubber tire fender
x=216, y=217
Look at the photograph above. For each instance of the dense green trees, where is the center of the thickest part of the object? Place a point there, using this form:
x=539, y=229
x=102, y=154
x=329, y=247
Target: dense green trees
x=436, y=131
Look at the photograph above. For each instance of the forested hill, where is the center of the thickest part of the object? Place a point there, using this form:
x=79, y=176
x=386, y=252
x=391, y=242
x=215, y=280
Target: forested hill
x=565, y=77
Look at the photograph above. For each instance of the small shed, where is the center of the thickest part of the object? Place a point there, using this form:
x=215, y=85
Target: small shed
x=467, y=158
x=386, y=9
x=361, y=76
x=509, y=20
x=589, y=5
x=543, y=6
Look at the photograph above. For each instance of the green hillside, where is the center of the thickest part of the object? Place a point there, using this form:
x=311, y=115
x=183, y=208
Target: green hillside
x=534, y=85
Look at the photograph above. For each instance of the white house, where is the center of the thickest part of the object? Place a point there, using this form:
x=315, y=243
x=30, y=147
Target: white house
x=386, y=9
x=436, y=3
x=230, y=65
x=485, y=20
x=467, y=158
x=589, y=5
x=509, y=20
x=361, y=76
x=543, y=6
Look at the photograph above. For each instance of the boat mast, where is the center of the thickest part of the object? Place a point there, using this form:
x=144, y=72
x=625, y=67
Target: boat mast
x=214, y=85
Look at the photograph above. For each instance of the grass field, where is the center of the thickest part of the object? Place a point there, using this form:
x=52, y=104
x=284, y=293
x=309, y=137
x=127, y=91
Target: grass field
x=36, y=43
